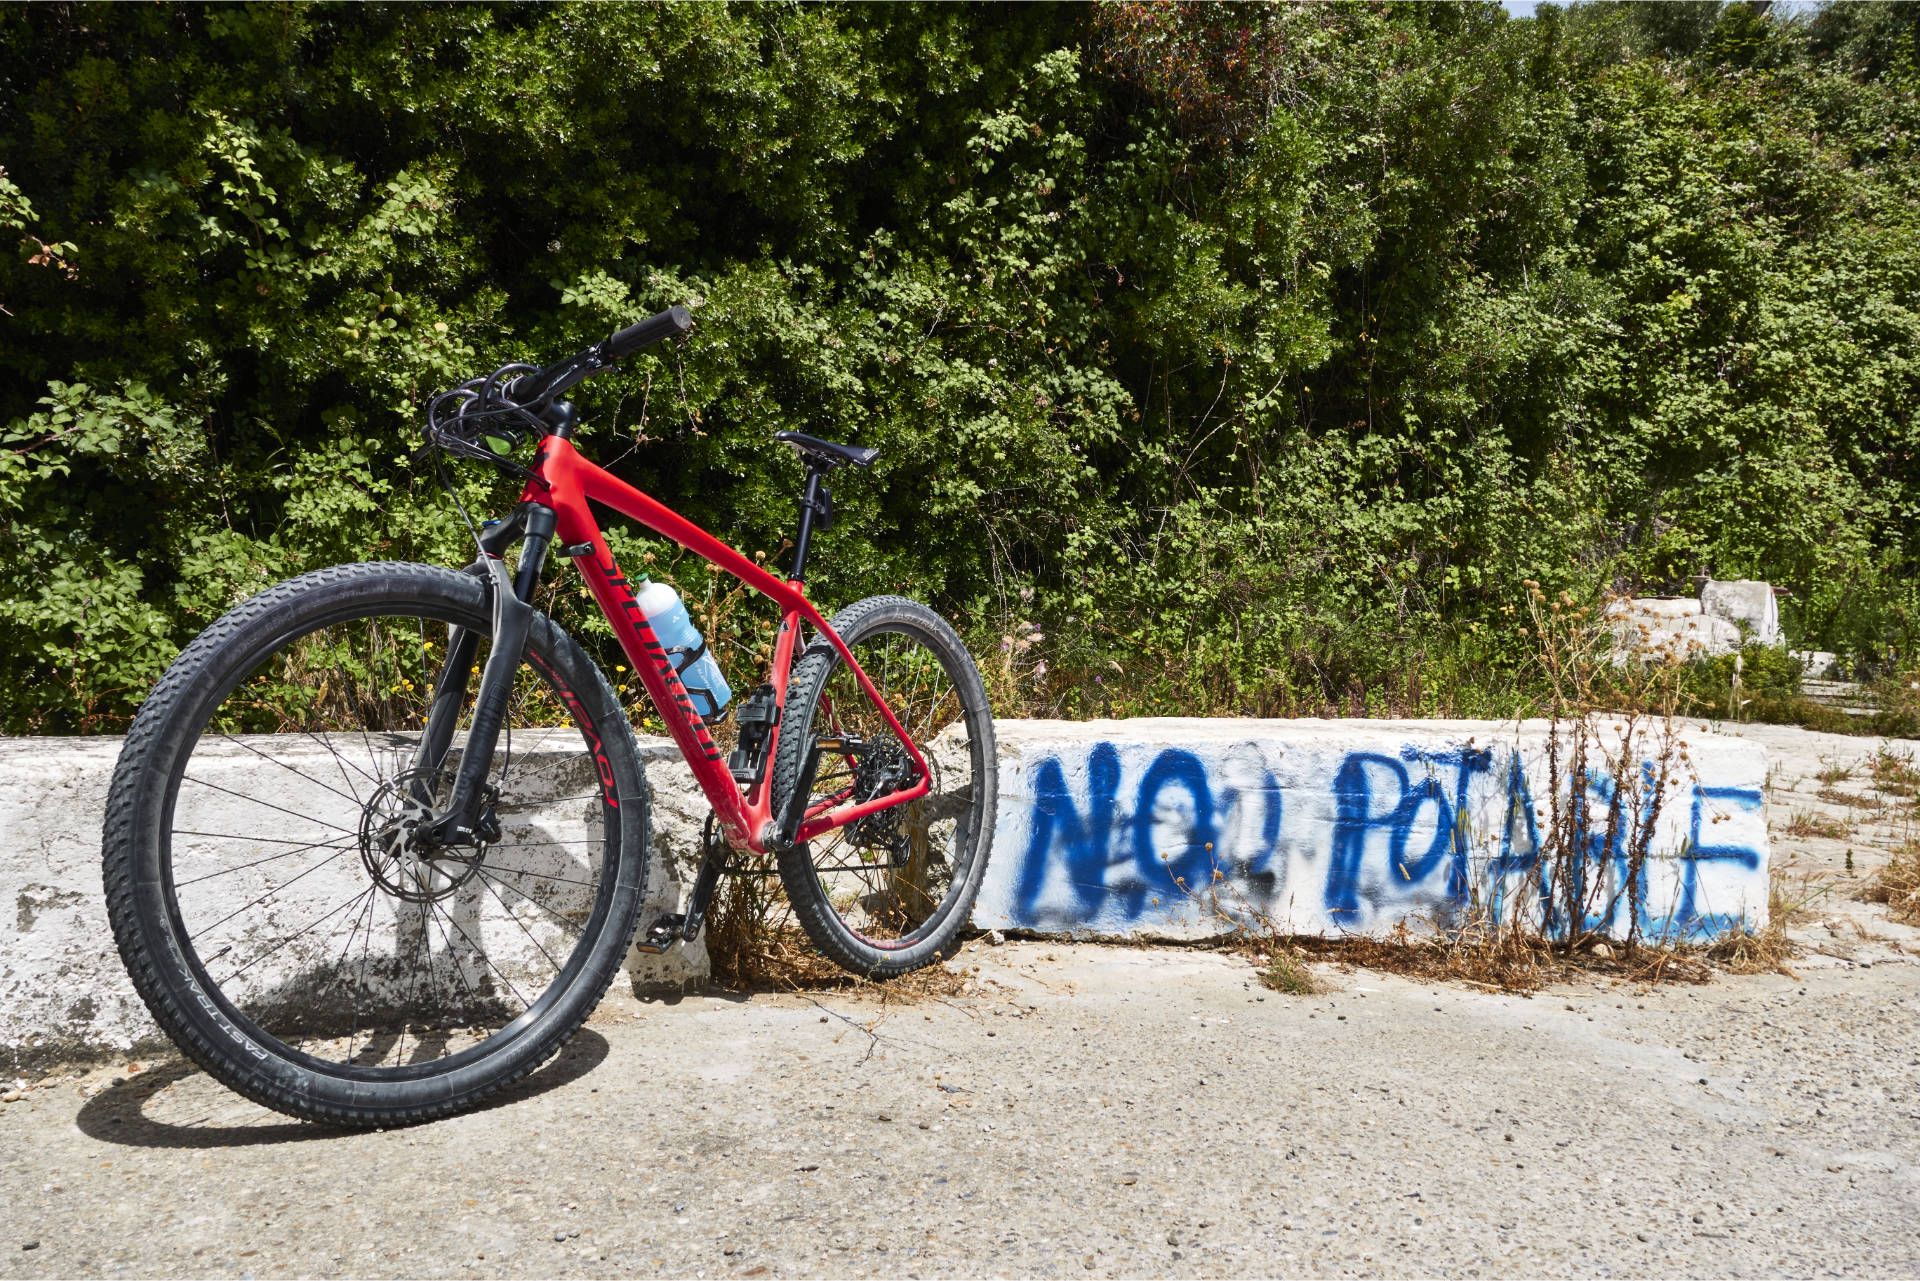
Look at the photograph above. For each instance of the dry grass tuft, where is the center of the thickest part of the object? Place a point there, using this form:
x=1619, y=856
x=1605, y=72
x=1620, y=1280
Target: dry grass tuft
x=1895, y=774
x=1812, y=823
x=1506, y=960
x=754, y=944
x=1286, y=971
x=1767, y=951
x=1834, y=773
x=1764, y=952
x=1898, y=884
x=1852, y=800
x=1514, y=960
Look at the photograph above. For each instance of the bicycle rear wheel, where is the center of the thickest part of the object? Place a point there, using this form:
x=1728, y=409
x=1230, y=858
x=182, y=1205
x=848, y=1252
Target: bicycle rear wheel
x=889, y=893
x=277, y=927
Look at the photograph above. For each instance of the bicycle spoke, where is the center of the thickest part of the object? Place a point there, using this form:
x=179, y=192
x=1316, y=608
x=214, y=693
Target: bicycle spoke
x=300, y=933
x=283, y=765
x=188, y=778
x=484, y=874
x=260, y=840
x=341, y=763
x=521, y=871
x=360, y=983
x=524, y=1003
x=514, y=917
x=364, y=916
x=443, y=919
x=517, y=806
x=180, y=885
x=272, y=890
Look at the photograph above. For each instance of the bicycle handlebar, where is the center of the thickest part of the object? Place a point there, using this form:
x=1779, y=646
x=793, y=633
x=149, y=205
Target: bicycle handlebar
x=556, y=378
x=671, y=323
x=505, y=407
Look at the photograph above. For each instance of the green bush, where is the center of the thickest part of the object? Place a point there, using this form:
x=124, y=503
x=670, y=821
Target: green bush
x=1252, y=356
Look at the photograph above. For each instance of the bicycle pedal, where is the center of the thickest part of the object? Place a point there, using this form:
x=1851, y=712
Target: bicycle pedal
x=661, y=934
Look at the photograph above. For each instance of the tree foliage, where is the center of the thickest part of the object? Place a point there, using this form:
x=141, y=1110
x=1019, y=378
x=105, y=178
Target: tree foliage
x=1254, y=355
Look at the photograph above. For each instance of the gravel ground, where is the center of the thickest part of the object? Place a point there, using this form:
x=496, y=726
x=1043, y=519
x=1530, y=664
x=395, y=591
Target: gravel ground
x=1089, y=1111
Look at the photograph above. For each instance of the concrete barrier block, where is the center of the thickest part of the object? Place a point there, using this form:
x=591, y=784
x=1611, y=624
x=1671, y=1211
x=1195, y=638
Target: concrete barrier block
x=63, y=991
x=1744, y=603
x=1319, y=827
x=1659, y=606
x=1185, y=828
x=1639, y=628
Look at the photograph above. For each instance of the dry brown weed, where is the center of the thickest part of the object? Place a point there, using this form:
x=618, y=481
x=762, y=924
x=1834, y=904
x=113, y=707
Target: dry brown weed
x=1852, y=800
x=754, y=944
x=1811, y=823
x=1898, y=884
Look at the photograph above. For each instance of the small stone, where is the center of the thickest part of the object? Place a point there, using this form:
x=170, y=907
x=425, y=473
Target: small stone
x=1602, y=951
x=559, y=1234
x=1173, y=1237
x=996, y=938
x=29, y=1245
x=11, y=1096
x=923, y=1125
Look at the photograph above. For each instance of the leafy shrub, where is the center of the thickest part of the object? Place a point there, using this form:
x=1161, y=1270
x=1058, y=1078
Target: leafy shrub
x=1268, y=349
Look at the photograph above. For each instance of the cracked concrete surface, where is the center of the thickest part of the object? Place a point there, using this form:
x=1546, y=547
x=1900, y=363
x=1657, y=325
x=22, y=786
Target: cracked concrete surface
x=1090, y=1111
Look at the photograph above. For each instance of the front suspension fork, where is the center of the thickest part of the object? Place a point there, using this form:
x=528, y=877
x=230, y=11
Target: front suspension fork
x=459, y=822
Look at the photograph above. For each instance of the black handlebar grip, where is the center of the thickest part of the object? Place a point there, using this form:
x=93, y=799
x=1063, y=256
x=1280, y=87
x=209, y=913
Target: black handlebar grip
x=671, y=323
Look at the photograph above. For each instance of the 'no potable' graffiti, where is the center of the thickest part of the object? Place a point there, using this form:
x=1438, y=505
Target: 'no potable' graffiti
x=1331, y=827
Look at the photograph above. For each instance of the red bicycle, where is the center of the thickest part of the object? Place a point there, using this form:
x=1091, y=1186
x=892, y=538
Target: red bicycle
x=362, y=887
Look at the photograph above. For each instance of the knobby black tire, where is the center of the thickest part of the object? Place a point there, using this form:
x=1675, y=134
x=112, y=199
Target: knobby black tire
x=933, y=939
x=136, y=858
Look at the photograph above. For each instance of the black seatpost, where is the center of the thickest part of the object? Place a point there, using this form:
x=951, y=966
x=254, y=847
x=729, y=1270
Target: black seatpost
x=817, y=501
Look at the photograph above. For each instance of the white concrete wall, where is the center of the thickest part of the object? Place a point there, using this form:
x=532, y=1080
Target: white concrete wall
x=1744, y=602
x=1321, y=827
x=63, y=991
x=1153, y=828
x=1665, y=627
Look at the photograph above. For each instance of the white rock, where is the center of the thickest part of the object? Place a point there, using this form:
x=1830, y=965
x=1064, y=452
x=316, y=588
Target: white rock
x=1743, y=601
x=1658, y=606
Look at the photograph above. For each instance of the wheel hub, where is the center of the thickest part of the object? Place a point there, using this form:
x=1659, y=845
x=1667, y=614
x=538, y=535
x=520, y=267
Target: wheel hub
x=884, y=768
x=396, y=846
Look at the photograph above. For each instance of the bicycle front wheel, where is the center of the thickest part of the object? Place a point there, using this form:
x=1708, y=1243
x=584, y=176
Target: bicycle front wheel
x=888, y=893
x=277, y=928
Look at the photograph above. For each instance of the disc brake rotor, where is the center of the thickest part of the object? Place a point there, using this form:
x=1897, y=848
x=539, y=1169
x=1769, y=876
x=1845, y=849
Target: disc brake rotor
x=393, y=839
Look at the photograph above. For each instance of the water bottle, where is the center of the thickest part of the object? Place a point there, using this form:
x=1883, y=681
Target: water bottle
x=666, y=614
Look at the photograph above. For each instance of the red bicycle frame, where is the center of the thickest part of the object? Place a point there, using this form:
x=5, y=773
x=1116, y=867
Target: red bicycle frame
x=567, y=483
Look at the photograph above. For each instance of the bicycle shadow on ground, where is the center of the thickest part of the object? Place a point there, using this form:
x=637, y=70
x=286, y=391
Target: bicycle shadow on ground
x=215, y=1117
